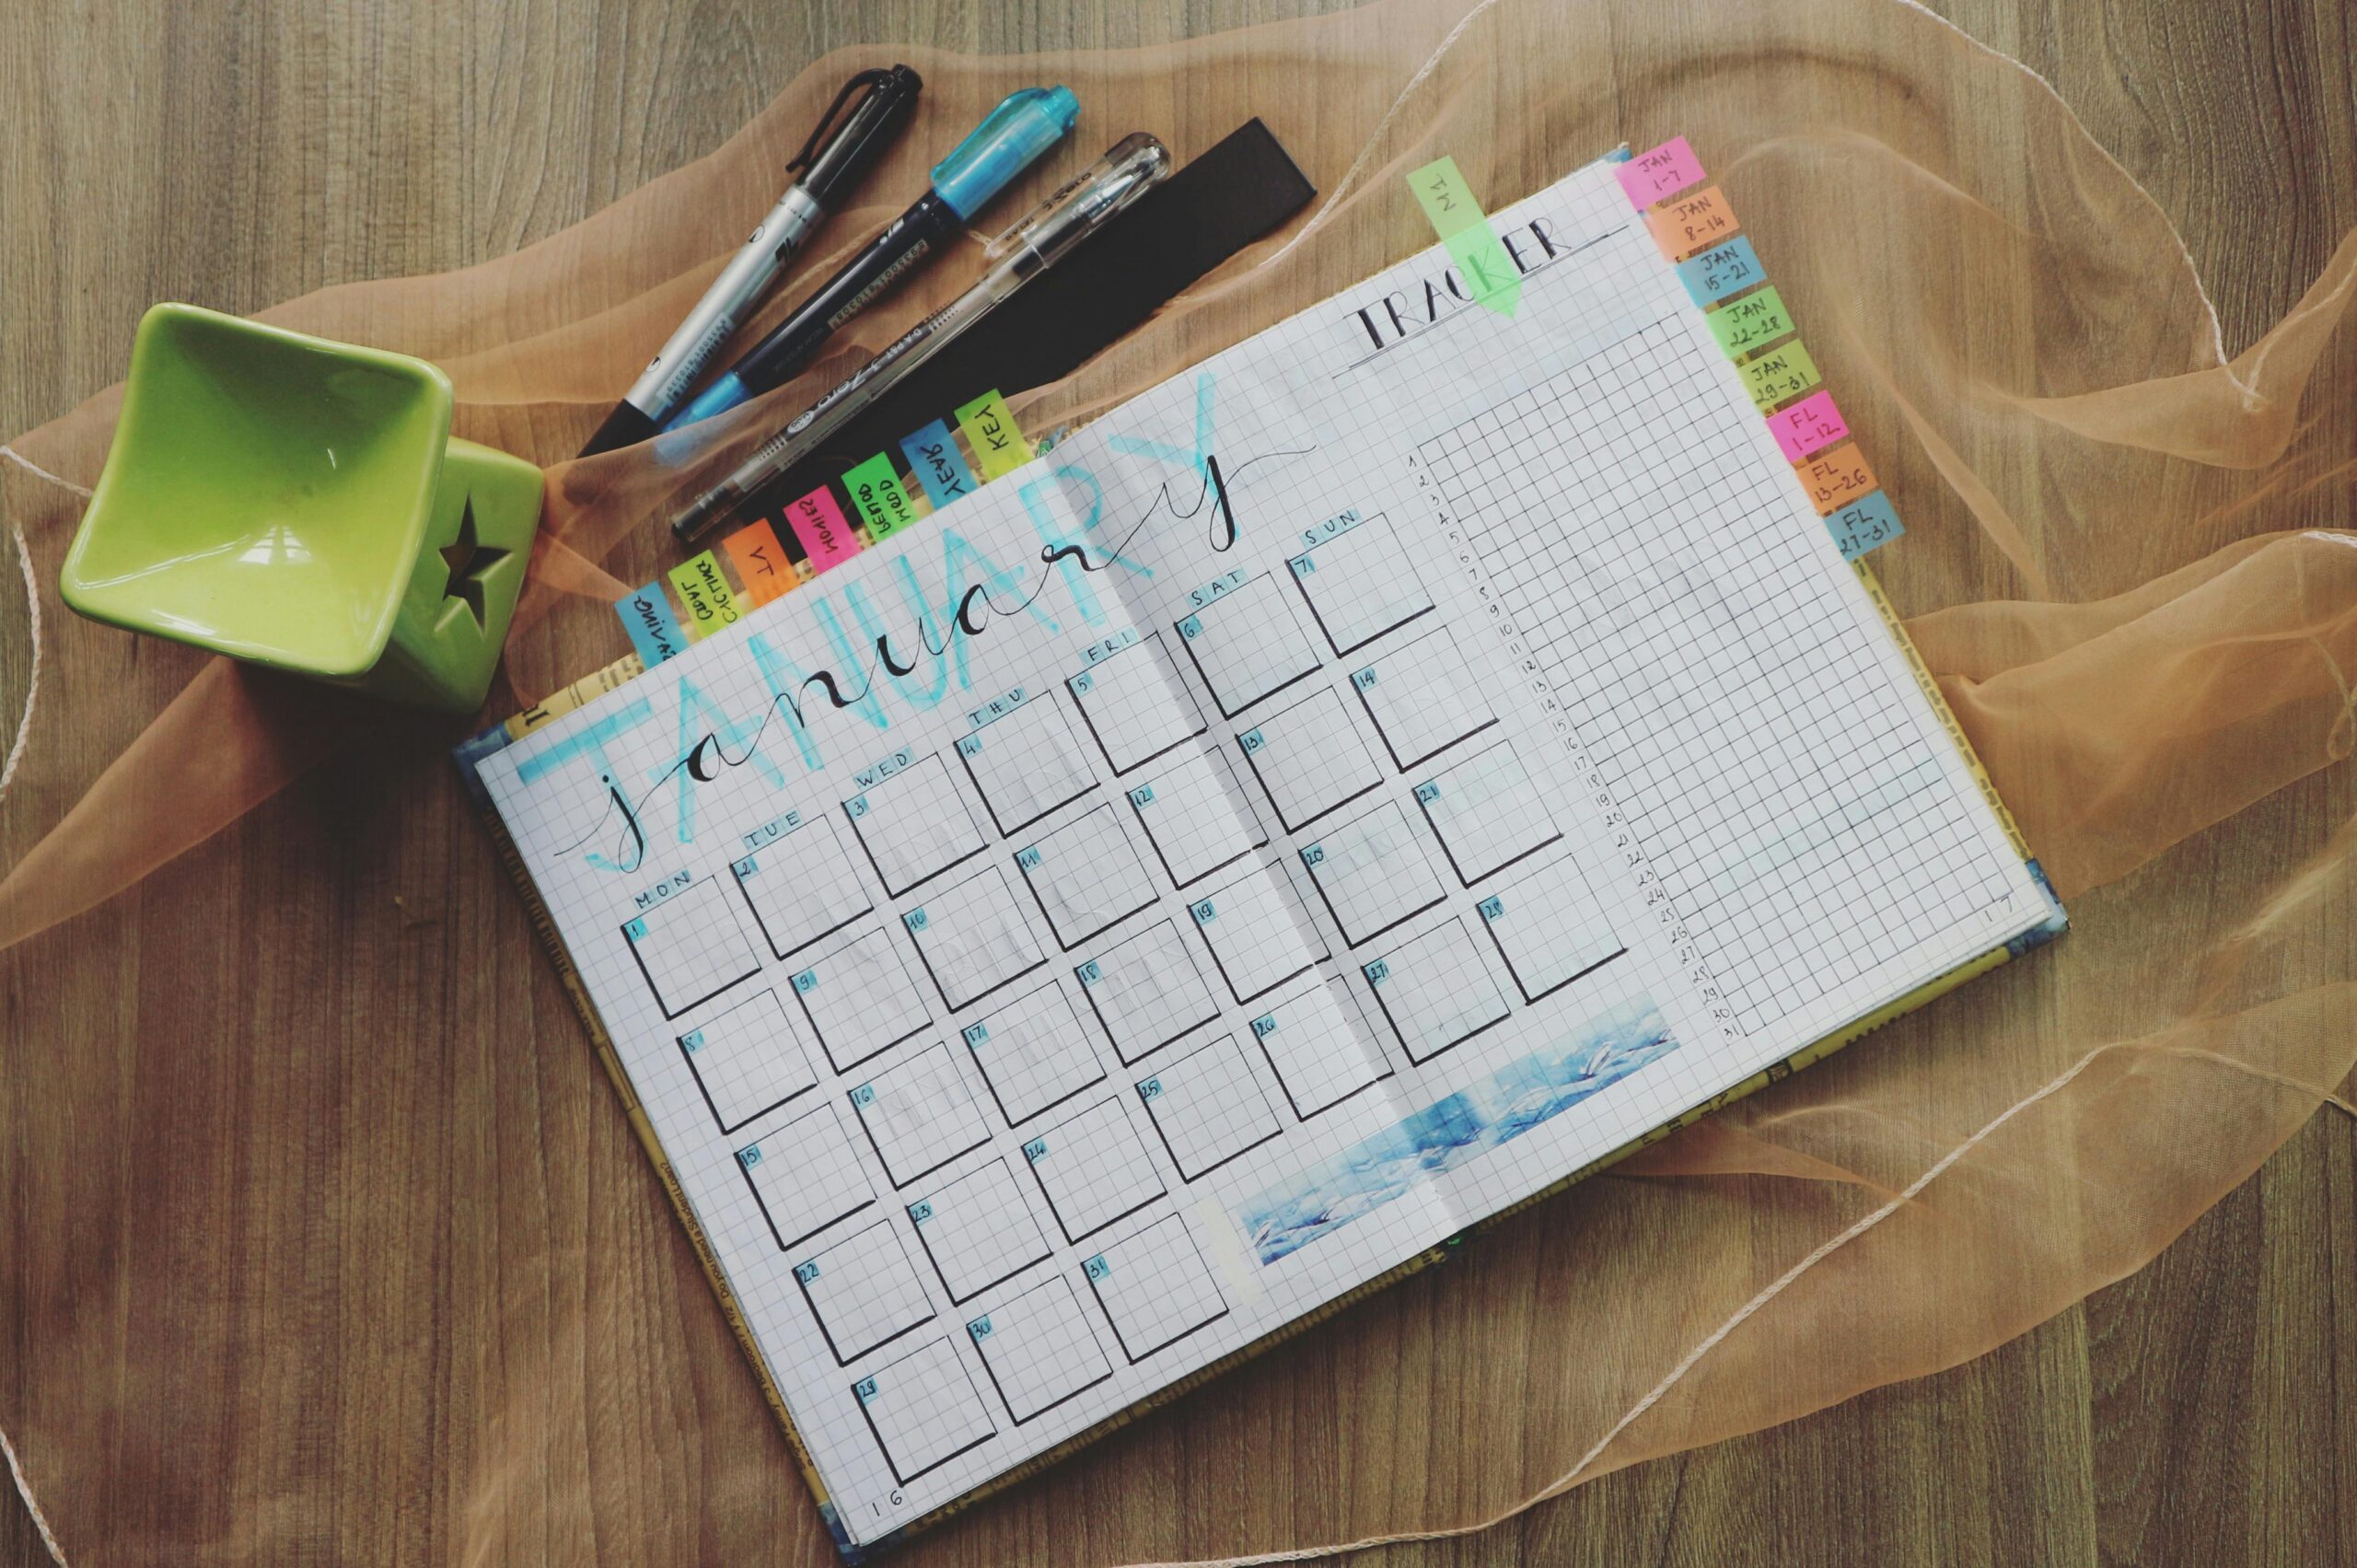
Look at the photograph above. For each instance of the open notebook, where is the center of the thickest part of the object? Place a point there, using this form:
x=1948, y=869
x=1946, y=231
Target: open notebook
x=1355, y=787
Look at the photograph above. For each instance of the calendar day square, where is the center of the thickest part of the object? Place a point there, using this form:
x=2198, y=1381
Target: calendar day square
x=749, y=1061
x=1311, y=758
x=689, y=947
x=802, y=886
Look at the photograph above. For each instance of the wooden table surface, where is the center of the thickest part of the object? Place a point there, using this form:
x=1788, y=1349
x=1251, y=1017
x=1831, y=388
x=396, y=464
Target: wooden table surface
x=2188, y=1414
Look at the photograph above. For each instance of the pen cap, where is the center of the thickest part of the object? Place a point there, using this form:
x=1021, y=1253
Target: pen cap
x=847, y=154
x=1022, y=127
x=1133, y=165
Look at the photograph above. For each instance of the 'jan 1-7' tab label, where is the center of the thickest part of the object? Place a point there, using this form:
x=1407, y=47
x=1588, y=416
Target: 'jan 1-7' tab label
x=823, y=529
x=1664, y=171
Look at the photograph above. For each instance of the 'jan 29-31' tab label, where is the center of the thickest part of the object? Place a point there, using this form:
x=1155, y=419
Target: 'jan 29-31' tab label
x=1779, y=376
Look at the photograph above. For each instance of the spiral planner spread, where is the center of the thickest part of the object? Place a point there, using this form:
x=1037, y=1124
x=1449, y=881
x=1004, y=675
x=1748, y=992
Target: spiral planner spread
x=1355, y=786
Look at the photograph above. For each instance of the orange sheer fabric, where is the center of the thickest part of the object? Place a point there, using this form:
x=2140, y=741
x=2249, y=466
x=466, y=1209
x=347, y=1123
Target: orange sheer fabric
x=2111, y=573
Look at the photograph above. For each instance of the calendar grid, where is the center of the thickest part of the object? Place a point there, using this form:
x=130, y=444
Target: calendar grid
x=1263, y=878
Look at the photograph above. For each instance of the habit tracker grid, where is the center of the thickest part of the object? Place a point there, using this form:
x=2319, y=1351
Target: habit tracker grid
x=1341, y=793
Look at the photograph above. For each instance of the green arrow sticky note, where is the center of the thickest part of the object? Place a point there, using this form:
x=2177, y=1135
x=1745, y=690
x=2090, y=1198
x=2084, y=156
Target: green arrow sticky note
x=1489, y=274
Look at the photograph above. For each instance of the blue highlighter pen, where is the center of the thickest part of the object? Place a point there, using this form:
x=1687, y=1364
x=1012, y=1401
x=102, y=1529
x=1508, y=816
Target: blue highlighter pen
x=1005, y=144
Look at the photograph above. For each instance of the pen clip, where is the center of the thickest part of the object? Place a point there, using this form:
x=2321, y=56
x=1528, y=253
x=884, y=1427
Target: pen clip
x=871, y=81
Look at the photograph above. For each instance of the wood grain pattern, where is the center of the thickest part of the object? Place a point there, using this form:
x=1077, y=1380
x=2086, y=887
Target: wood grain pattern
x=238, y=156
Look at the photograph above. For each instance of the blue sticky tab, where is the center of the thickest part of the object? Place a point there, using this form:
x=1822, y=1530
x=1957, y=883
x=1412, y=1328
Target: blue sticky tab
x=654, y=630
x=1720, y=270
x=940, y=466
x=1861, y=525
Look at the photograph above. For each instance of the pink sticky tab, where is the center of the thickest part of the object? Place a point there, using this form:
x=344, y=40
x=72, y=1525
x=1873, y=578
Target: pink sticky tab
x=825, y=533
x=1664, y=171
x=1808, y=426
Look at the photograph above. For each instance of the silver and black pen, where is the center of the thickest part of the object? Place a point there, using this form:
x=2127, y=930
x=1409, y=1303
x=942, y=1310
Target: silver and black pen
x=1135, y=165
x=830, y=163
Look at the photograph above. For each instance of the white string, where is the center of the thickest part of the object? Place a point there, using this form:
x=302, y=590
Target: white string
x=25, y=1491
x=32, y=683
x=2217, y=332
x=34, y=469
x=1367, y=148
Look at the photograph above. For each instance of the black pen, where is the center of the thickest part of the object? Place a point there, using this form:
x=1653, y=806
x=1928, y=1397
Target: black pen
x=827, y=172
x=1022, y=127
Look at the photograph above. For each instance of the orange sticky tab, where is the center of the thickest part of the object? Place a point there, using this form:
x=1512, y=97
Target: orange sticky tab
x=1837, y=479
x=1697, y=222
x=761, y=563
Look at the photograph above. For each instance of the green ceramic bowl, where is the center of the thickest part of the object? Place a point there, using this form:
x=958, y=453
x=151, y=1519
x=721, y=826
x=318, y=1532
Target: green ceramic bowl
x=299, y=504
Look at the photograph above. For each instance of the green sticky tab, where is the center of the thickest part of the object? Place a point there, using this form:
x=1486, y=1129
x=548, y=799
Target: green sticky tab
x=1750, y=323
x=883, y=505
x=1779, y=376
x=1489, y=273
x=999, y=447
x=706, y=601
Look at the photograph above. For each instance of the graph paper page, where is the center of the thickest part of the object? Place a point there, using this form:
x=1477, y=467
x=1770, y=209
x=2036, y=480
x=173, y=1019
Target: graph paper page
x=1340, y=792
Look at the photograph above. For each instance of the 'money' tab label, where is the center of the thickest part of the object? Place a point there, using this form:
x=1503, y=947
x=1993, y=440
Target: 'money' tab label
x=823, y=529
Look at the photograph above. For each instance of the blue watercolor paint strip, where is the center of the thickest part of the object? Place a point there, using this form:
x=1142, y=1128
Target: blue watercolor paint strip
x=654, y=630
x=940, y=466
x=1720, y=270
x=1864, y=524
